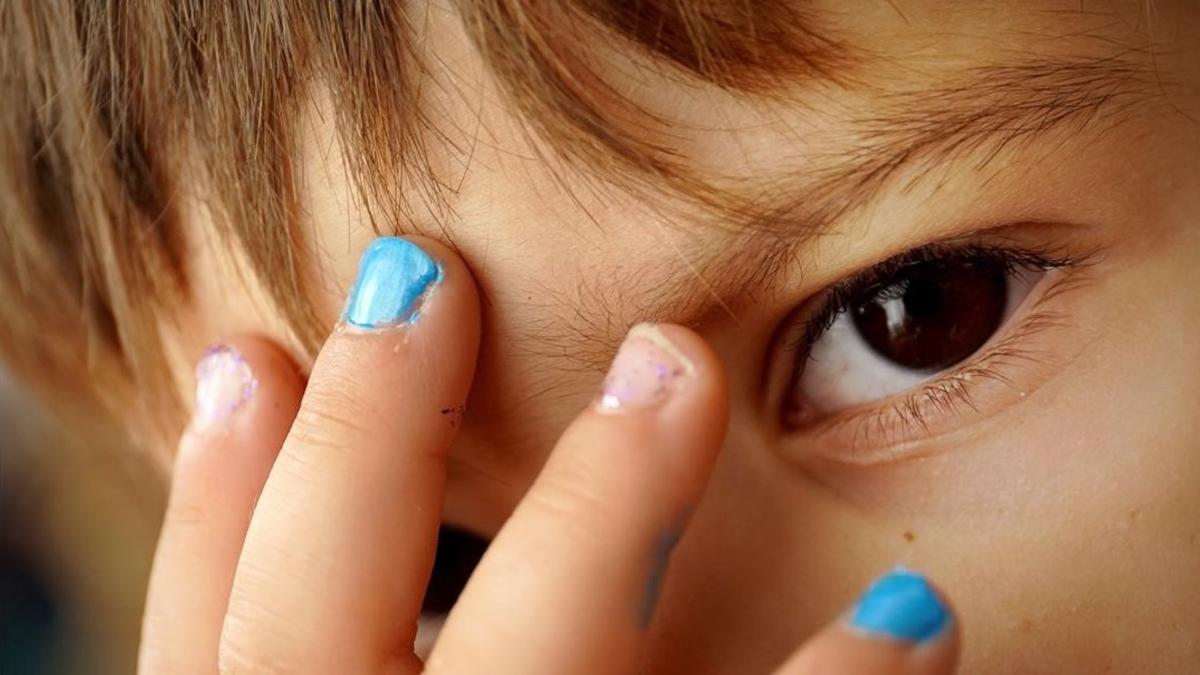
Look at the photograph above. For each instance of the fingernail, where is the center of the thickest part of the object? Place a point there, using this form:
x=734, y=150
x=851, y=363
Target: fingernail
x=224, y=383
x=901, y=605
x=394, y=276
x=646, y=369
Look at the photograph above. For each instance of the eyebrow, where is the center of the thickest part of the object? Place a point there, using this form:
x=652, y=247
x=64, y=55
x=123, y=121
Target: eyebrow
x=975, y=117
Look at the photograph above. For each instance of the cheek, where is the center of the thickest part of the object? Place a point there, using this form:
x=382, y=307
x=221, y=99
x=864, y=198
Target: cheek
x=770, y=556
x=1086, y=563
x=1074, y=528
x=1069, y=525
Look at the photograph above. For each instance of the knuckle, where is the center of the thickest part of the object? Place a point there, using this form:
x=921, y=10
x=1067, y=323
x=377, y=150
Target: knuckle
x=193, y=518
x=574, y=502
x=331, y=414
x=233, y=659
x=161, y=659
x=185, y=514
x=246, y=644
x=190, y=503
x=322, y=428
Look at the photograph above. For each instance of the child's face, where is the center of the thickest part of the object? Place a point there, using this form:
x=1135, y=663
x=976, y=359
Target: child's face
x=1049, y=481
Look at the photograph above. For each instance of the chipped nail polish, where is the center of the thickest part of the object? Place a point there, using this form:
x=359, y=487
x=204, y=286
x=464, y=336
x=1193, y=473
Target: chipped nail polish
x=646, y=369
x=901, y=605
x=224, y=383
x=394, y=275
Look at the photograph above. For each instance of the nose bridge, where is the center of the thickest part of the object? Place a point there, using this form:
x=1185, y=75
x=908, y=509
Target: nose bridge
x=555, y=307
x=528, y=386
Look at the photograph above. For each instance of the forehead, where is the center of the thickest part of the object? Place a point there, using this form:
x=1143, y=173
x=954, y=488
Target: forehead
x=573, y=253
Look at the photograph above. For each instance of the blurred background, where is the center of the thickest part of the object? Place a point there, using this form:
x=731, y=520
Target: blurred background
x=78, y=519
x=79, y=516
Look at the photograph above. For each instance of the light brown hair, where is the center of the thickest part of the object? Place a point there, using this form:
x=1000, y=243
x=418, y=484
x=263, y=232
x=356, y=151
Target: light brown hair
x=109, y=104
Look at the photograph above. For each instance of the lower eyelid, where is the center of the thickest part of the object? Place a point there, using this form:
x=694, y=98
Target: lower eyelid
x=1000, y=376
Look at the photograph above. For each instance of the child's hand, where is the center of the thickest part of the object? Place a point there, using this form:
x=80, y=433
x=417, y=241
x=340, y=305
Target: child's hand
x=301, y=531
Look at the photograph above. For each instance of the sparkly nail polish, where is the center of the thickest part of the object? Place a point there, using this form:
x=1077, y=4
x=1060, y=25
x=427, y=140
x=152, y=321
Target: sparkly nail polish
x=224, y=383
x=646, y=369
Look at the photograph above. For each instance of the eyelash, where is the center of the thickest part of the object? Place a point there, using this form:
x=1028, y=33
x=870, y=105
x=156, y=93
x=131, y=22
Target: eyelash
x=839, y=298
x=951, y=389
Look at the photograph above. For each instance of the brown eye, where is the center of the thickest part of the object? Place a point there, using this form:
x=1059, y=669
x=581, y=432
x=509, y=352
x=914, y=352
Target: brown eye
x=915, y=321
x=933, y=315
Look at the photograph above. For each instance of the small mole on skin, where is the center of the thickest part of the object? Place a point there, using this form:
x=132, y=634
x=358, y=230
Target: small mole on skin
x=909, y=536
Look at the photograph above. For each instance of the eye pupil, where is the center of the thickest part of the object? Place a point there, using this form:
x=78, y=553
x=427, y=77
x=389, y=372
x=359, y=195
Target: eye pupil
x=933, y=315
x=923, y=299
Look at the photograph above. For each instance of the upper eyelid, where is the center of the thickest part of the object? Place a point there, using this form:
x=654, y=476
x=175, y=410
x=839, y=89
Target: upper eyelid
x=837, y=297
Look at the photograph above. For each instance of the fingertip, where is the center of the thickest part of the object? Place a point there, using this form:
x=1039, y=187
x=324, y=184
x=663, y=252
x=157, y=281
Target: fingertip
x=902, y=605
x=454, y=269
x=665, y=372
x=662, y=412
x=247, y=391
x=902, y=624
x=703, y=359
x=401, y=281
x=610, y=505
x=411, y=316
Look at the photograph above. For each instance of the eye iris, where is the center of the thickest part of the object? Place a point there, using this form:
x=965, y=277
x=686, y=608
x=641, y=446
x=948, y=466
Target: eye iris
x=933, y=315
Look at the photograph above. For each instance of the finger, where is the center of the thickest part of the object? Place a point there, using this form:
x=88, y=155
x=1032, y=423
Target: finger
x=247, y=393
x=340, y=548
x=900, y=626
x=569, y=584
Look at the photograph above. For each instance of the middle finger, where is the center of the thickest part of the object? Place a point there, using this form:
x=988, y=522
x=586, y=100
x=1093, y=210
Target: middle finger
x=339, y=550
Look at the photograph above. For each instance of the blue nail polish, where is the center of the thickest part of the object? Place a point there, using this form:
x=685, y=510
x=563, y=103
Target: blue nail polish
x=393, y=276
x=901, y=605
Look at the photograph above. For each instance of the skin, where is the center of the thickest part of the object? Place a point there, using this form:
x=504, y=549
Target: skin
x=1064, y=523
x=253, y=574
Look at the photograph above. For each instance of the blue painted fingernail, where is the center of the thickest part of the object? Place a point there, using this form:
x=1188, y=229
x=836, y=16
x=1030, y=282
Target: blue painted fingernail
x=393, y=277
x=901, y=605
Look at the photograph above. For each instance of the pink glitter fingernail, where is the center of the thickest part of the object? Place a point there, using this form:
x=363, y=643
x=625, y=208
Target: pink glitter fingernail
x=224, y=383
x=645, y=371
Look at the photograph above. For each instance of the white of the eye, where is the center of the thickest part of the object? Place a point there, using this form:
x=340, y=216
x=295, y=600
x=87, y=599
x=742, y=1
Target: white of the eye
x=843, y=371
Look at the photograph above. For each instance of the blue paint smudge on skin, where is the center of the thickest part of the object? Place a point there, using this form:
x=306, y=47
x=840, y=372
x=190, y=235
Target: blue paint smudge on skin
x=663, y=547
x=393, y=277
